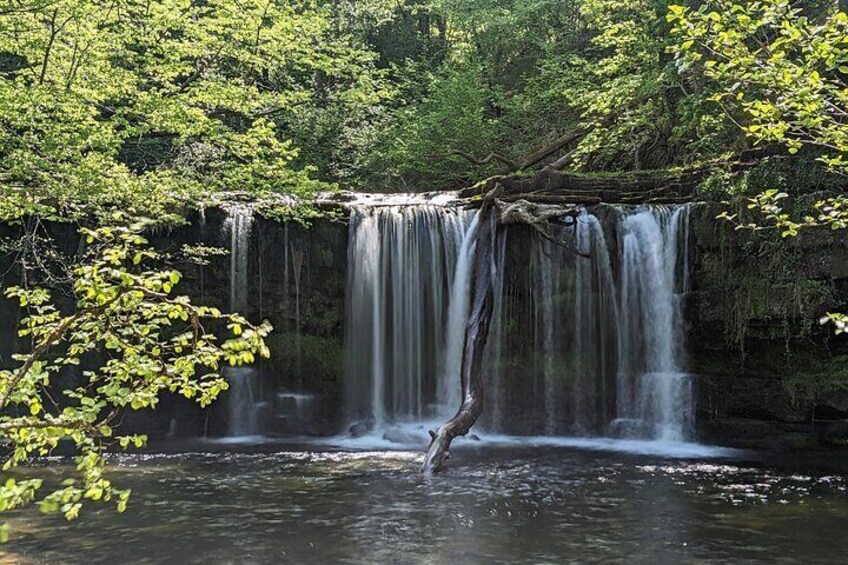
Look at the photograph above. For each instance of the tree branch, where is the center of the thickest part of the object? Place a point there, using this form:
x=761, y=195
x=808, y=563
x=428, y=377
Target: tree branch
x=493, y=156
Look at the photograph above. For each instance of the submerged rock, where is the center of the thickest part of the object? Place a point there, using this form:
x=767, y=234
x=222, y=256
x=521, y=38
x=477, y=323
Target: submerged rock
x=359, y=429
x=399, y=435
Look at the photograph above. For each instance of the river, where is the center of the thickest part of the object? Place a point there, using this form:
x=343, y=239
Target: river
x=502, y=503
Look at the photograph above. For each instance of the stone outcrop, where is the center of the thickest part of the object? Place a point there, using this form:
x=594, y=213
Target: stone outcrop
x=754, y=338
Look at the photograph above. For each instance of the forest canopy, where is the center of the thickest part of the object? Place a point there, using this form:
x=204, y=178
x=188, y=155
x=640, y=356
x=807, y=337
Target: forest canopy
x=160, y=104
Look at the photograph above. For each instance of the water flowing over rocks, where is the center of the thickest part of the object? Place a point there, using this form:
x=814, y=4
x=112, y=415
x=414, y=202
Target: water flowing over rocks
x=625, y=324
x=578, y=351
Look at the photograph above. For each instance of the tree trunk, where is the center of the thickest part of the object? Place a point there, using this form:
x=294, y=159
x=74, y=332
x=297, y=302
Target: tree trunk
x=476, y=334
x=555, y=146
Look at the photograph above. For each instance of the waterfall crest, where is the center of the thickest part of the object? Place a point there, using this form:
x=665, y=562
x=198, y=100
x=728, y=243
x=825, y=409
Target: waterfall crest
x=587, y=346
x=407, y=305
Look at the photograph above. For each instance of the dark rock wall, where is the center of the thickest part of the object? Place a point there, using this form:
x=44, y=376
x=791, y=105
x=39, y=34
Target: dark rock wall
x=753, y=341
x=297, y=281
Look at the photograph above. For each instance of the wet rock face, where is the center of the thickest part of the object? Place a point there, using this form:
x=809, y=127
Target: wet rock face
x=296, y=279
x=749, y=321
x=754, y=340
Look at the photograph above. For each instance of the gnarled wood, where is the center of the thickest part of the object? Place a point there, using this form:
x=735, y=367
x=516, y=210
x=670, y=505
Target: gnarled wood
x=636, y=187
x=563, y=161
x=539, y=217
x=493, y=215
x=562, y=141
x=476, y=334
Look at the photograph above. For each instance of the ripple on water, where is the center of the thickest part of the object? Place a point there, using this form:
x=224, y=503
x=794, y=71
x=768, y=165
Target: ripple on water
x=505, y=503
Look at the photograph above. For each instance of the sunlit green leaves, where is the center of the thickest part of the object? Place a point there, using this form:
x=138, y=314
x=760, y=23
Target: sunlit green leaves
x=153, y=340
x=206, y=79
x=778, y=69
x=781, y=78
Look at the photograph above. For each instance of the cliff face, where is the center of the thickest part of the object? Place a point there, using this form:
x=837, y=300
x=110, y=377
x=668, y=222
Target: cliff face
x=769, y=375
x=753, y=341
x=297, y=281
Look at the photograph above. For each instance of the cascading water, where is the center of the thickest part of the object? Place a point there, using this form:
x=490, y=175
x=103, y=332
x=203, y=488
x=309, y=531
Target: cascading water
x=586, y=342
x=495, y=344
x=407, y=304
x=596, y=331
x=238, y=225
x=654, y=392
x=545, y=281
x=449, y=392
x=595, y=324
x=571, y=290
x=242, y=408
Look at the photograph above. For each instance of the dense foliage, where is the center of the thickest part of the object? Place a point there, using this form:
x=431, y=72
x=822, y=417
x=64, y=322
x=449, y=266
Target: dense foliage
x=150, y=341
x=153, y=106
x=140, y=103
x=163, y=102
x=779, y=71
x=514, y=78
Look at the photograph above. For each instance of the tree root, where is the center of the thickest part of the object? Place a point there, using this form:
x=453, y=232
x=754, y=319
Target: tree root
x=476, y=335
x=494, y=215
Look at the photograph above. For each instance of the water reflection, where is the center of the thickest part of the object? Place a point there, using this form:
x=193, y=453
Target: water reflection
x=497, y=505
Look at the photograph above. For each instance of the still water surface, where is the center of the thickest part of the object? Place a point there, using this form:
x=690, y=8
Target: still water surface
x=543, y=504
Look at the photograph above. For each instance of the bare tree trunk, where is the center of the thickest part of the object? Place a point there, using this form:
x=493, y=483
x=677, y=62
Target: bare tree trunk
x=494, y=215
x=476, y=334
x=555, y=146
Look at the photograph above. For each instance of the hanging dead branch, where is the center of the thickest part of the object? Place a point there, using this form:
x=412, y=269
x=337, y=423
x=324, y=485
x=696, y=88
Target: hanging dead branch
x=495, y=215
x=476, y=334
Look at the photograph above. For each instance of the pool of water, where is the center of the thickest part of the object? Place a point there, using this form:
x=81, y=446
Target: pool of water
x=503, y=503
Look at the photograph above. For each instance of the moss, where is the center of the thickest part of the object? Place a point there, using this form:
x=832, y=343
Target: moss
x=766, y=175
x=817, y=379
x=307, y=358
x=714, y=187
x=764, y=284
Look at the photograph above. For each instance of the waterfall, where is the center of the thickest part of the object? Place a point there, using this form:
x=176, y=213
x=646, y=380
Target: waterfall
x=542, y=264
x=495, y=344
x=449, y=392
x=238, y=223
x=572, y=292
x=595, y=326
x=242, y=406
x=594, y=344
x=654, y=392
x=407, y=305
x=586, y=336
x=296, y=410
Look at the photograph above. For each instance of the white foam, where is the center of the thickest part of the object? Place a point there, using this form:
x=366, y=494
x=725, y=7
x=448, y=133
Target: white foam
x=446, y=198
x=239, y=440
x=663, y=448
x=415, y=435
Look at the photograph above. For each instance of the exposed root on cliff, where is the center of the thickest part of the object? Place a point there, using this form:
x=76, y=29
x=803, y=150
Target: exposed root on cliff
x=476, y=335
x=494, y=215
x=539, y=217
